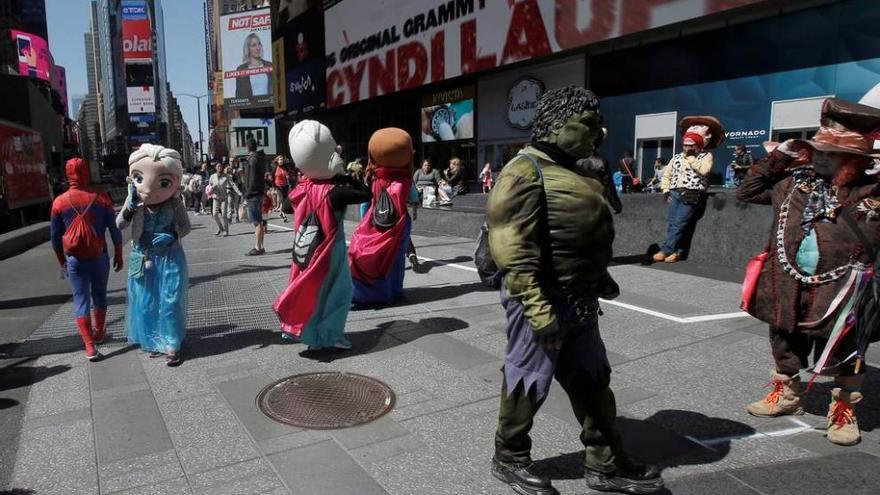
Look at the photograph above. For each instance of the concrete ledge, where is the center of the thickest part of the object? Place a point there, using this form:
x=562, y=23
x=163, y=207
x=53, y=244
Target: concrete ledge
x=20, y=240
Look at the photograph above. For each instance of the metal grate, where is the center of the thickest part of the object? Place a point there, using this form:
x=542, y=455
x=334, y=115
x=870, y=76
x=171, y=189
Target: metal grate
x=326, y=400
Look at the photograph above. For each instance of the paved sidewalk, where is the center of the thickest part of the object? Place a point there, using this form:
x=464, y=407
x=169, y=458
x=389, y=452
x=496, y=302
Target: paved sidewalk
x=685, y=364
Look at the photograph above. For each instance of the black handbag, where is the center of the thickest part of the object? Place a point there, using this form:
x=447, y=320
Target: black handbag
x=689, y=196
x=867, y=306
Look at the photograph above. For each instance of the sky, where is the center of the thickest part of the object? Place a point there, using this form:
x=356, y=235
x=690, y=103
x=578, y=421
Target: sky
x=184, y=48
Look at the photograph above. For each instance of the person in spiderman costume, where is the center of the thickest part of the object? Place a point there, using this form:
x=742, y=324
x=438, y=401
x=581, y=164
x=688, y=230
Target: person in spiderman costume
x=88, y=277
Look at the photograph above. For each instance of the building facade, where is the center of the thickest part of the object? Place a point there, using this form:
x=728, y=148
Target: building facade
x=463, y=78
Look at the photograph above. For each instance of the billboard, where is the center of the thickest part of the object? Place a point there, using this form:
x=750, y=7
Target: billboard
x=59, y=84
x=448, y=115
x=137, y=34
x=139, y=88
x=247, y=59
x=22, y=167
x=262, y=130
x=304, y=62
x=33, y=55
x=379, y=47
x=142, y=128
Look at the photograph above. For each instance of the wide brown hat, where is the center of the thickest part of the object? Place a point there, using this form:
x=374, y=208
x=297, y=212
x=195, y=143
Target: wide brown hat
x=714, y=125
x=391, y=148
x=846, y=127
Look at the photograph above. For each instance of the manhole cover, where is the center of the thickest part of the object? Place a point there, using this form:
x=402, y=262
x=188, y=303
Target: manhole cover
x=326, y=400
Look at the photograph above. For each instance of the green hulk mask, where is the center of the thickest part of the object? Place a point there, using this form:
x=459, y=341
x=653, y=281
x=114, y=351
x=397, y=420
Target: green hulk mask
x=578, y=135
x=569, y=118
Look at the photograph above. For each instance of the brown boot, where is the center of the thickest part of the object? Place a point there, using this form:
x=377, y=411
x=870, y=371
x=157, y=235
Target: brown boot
x=672, y=258
x=659, y=257
x=784, y=399
x=843, y=429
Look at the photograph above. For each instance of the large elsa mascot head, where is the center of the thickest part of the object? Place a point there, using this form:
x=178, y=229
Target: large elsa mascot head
x=155, y=171
x=391, y=148
x=311, y=147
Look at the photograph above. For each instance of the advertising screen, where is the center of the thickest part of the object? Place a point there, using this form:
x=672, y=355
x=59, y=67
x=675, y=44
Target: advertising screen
x=59, y=84
x=304, y=62
x=33, y=55
x=246, y=38
x=448, y=115
x=137, y=35
x=140, y=89
x=382, y=46
x=262, y=130
x=142, y=127
x=22, y=166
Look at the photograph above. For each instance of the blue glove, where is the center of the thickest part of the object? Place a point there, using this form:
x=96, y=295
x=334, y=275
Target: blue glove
x=162, y=239
x=131, y=198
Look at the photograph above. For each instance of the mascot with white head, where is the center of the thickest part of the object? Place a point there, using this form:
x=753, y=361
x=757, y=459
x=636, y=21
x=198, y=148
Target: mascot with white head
x=158, y=277
x=315, y=305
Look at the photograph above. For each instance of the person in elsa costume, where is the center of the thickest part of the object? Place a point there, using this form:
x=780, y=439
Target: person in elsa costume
x=314, y=306
x=158, y=277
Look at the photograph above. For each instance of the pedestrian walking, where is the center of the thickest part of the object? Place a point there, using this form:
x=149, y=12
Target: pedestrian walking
x=80, y=219
x=196, y=188
x=314, y=306
x=742, y=162
x=282, y=185
x=377, y=255
x=254, y=192
x=486, y=178
x=157, y=276
x=625, y=166
x=220, y=184
x=685, y=184
x=813, y=284
x=234, y=192
x=552, y=321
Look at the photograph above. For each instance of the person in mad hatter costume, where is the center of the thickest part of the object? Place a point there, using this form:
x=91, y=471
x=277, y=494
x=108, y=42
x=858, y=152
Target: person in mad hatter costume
x=826, y=208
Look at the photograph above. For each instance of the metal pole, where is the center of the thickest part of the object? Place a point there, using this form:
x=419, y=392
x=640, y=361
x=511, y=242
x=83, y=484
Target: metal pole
x=201, y=140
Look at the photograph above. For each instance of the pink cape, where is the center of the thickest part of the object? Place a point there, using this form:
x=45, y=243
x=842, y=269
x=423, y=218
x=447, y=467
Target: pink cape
x=372, y=251
x=296, y=304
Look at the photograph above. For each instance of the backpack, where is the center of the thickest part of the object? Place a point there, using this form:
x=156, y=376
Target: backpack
x=488, y=271
x=195, y=184
x=384, y=214
x=306, y=240
x=80, y=239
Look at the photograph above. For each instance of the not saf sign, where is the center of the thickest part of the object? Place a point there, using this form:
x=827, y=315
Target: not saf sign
x=382, y=46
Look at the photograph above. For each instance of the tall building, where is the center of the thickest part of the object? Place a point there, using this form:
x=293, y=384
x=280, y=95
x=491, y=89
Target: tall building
x=87, y=113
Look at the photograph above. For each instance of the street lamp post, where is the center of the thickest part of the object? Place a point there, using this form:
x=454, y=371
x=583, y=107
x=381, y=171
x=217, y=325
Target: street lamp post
x=199, y=109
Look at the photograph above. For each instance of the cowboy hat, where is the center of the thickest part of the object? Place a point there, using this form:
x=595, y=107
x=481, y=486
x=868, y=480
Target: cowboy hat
x=846, y=127
x=714, y=125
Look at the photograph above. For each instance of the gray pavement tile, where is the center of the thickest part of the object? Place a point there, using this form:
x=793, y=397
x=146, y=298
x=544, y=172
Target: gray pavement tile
x=629, y=394
x=170, y=384
x=121, y=370
x=254, y=477
x=124, y=389
x=129, y=425
x=293, y=441
x=379, y=451
x=423, y=473
x=206, y=433
x=384, y=428
x=854, y=473
x=150, y=469
x=423, y=408
x=460, y=355
x=241, y=395
x=657, y=302
x=57, y=460
x=178, y=486
x=324, y=468
x=716, y=484
x=68, y=391
x=494, y=344
x=815, y=441
x=58, y=419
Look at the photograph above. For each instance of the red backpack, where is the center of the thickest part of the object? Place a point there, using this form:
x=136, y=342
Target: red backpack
x=80, y=239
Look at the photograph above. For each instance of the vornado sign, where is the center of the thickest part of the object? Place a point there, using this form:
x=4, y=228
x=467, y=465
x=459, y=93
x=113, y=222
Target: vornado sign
x=522, y=101
x=744, y=135
x=382, y=46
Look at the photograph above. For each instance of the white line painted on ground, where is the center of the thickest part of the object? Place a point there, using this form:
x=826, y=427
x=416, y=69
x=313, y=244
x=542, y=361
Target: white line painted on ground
x=632, y=307
x=710, y=443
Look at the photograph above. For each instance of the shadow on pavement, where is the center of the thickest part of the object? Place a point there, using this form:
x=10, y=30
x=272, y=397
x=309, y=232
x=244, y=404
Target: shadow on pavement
x=426, y=266
x=660, y=440
x=385, y=336
x=238, y=270
x=27, y=302
x=418, y=295
x=18, y=376
x=18, y=491
x=7, y=403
